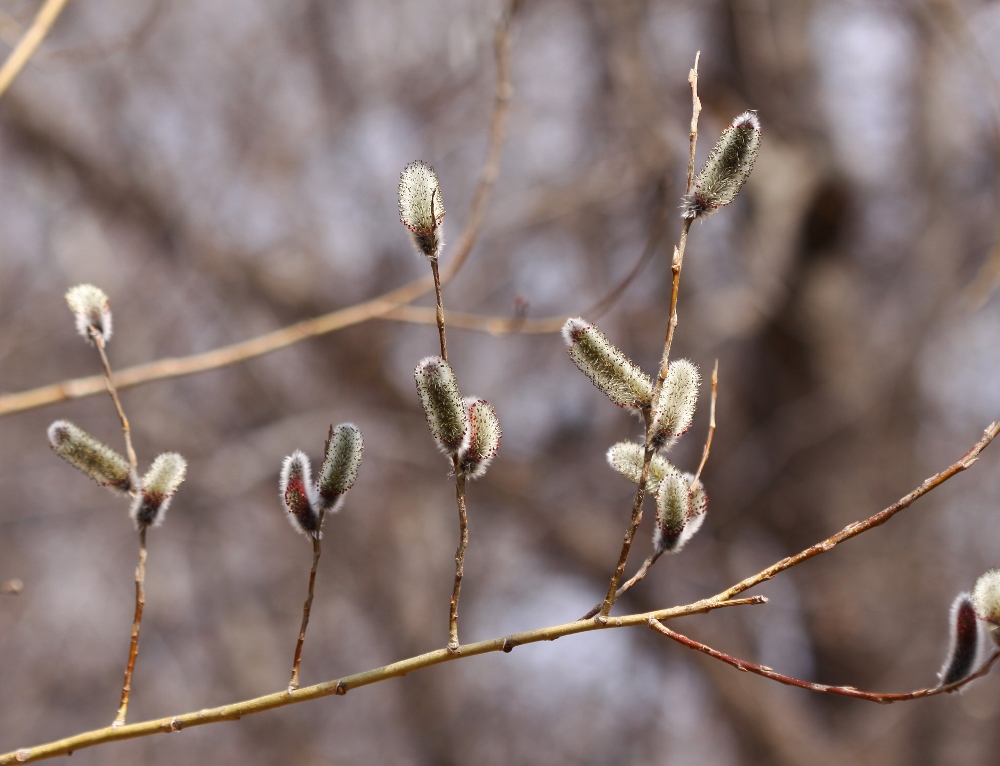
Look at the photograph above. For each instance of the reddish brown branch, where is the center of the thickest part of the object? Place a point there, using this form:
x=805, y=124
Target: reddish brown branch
x=140, y=602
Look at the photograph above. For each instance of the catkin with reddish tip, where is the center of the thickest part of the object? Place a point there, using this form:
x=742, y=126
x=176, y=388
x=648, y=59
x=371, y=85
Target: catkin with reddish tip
x=606, y=366
x=447, y=416
x=91, y=456
x=297, y=494
x=484, y=438
x=421, y=207
x=726, y=169
x=164, y=477
x=963, y=648
x=680, y=511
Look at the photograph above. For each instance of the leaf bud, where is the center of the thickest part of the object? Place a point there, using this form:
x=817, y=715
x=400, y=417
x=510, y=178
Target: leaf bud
x=344, y=447
x=963, y=648
x=484, y=438
x=726, y=169
x=161, y=481
x=92, y=310
x=675, y=407
x=607, y=367
x=446, y=413
x=94, y=458
x=297, y=493
x=421, y=208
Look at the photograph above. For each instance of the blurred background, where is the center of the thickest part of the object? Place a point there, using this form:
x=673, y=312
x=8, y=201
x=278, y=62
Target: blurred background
x=222, y=169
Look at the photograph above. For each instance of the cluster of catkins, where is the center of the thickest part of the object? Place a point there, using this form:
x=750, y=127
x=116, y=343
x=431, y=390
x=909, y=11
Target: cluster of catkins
x=969, y=614
x=680, y=499
x=151, y=495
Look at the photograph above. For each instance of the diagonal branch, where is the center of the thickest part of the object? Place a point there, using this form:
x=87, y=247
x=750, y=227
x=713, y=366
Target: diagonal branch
x=29, y=42
x=883, y=698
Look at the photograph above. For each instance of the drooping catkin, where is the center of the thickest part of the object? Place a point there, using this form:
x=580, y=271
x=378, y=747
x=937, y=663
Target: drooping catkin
x=680, y=511
x=164, y=477
x=344, y=448
x=446, y=413
x=297, y=493
x=986, y=601
x=606, y=366
x=91, y=456
x=963, y=648
x=726, y=169
x=676, y=405
x=626, y=458
x=421, y=207
x=484, y=438
x=92, y=311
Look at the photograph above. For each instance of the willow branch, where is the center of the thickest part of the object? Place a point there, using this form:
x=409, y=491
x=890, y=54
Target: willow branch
x=293, y=684
x=711, y=425
x=113, y=391
x=883, y=698
x=463, y=544
x=343, y=685
x=140, y=602
x=235, y=353
x=29, y=42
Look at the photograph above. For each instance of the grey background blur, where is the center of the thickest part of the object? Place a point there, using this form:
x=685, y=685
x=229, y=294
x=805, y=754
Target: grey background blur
x=225, y=167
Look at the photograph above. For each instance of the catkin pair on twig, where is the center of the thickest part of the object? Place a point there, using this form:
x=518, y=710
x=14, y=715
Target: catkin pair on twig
x=464, y=427
x=307, y=502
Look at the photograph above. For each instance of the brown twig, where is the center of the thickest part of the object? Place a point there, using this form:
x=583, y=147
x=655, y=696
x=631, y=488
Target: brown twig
x=12, y=587
x=29, y=42
x=882, y=698
x=676, y=264
x=711, y=425
x=463, y=543
x=140, y=602
x=293, y=684
x=110, y=386
x=439, y=308
x=235, y=353
x=343, y=685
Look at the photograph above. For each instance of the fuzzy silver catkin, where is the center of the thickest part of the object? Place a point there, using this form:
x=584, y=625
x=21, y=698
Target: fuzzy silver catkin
x=298, y=494
x=963, y=648
x=726, y=169
x=94, y=458
x=92, y=311
x=680, y=511
x=606, y=366
x=986, y=601
x=421, y=207
x=484, y=438
x=447, y=416
x=344, y=448
x=626, y=458
x=165, y=475
x=678, y=399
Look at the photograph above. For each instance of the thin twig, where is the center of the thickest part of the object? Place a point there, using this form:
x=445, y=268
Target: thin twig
x=343, y=685
x=140, y=602
x=883, y=698
x=29, y=42
x=293, y=684
x=676, y=264
x=463, y=543
x=12, y=587
x=439, y=309
x=235, y=353
x=636, y=578
x=711, y=426
x=110, y=385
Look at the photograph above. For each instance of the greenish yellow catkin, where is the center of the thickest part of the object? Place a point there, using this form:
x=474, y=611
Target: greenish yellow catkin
x=680, y=511
x=675, y=408
x=607, y=367
x=298, y=494
x=963, y=647
x=94, y=458
x=344, y=448
x=161, y=481
x=484, y=438
x=986, y=600
x=421, y=207
x=726, y=169
x=92, y=311
x=626, y=458
x=447, y=416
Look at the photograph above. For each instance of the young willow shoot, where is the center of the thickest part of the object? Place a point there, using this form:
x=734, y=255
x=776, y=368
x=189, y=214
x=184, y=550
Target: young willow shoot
x=307, y=503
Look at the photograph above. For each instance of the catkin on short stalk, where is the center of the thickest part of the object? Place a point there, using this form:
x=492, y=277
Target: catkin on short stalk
x=344, y=448
x=92, y=310
x=421, y=207
x=606, y=366
x=484, y=438
x=626, y=458
x=94, y=458
x=298, y=494
x=446, y=413
x=158, y=486
x=726, y=169
x=680, y=511
x=963, y=648
x=676, y=405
